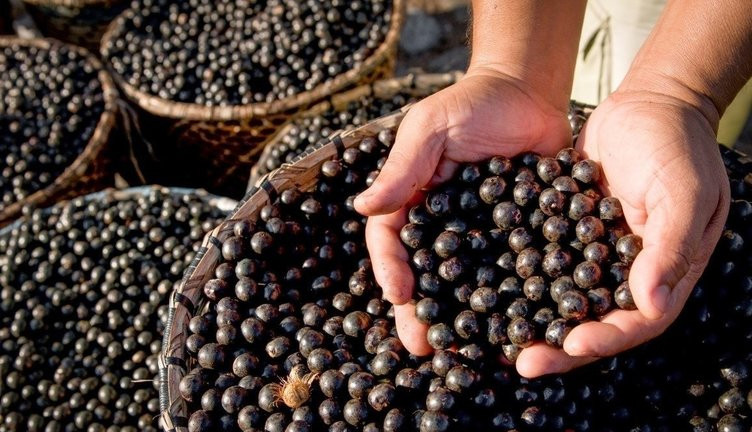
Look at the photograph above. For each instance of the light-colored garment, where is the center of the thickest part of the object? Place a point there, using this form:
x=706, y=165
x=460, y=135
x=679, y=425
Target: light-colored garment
x=612, y=34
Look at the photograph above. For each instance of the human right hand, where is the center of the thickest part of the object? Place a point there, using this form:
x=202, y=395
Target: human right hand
x=487, y=113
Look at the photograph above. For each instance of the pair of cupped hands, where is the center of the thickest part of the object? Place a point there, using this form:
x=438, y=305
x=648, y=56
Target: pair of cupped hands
x=659, y=156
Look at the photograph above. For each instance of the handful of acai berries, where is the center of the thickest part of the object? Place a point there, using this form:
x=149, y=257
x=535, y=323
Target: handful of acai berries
x=511, y=251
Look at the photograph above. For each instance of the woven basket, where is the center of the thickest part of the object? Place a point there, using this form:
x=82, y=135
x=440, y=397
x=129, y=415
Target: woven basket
x=415, y=86
x=188, y=299
x=80, y=22
x=223, y=205
x=91, y=169
x=223, y=142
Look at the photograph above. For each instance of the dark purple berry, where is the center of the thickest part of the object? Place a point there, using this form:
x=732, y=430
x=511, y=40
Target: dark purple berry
x=589, y=229
x=573, y=305
x=535, y=287
x=381, y=397
x=557, y=262
x=556, y=228
x=566, y=185
x=586, y=171
x=551, y=201
x=528, y=262
x=521, y=332
x=623, y=297
x=526, y=193
x=601, y=300
x=587, y=274
x=548, y=169
x=446, y=244
x=610, y=208
x=556, y=332
x=507, y=216
x=580, y=205
x=628, y=247
x=355, y=412
x=440, y=336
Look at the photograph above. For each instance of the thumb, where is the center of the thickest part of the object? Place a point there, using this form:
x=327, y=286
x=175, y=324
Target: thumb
x=672, y=237
x=411, y=163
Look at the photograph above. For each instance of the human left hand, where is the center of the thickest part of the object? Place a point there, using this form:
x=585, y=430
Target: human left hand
x=660, y=158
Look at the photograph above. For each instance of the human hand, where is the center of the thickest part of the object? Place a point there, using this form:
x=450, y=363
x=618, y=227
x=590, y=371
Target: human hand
x=487, y=113
x=660, y=158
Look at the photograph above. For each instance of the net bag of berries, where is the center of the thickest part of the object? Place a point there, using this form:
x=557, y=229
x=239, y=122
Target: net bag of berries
x=79, y=22
x=346, y=110
x=218, y=78
x=57, y=111
x=280, y=326
x=84, y=289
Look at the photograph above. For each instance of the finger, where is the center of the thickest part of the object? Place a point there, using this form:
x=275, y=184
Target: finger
x=671, y=242
x=618, y=331
x=411, y=163
x=411, y=332
x=541, y=359
x=389, y=257
x=444, y=171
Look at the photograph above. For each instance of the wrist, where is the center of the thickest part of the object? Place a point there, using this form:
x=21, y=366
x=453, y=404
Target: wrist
x=656, y=86
x=527, y=80
x=531, y=41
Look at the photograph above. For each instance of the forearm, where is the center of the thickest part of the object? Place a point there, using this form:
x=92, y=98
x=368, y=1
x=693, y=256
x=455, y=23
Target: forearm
x=531, y=40
x=699, y=51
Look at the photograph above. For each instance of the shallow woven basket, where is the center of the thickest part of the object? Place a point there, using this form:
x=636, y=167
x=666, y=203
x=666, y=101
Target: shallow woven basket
x=225, y=141
x=188, y=299
x=90, y=171
x=415, y=85
x=80, y=22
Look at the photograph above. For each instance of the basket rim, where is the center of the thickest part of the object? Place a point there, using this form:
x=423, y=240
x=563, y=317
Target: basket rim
x=223, y=203
x=185, y=296
x=383, y=88
x=98, y=140
x=193, y=112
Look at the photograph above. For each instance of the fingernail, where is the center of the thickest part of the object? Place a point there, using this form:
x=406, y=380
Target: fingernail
x=583, y=353
x=362, y=197
x=662, y=298
x=578, y=350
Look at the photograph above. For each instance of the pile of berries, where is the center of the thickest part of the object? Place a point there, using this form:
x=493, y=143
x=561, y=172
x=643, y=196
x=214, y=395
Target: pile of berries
x=514, y=251
x=220, y=53
x=50, y=104
x=297, y=338
x=83, y=300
